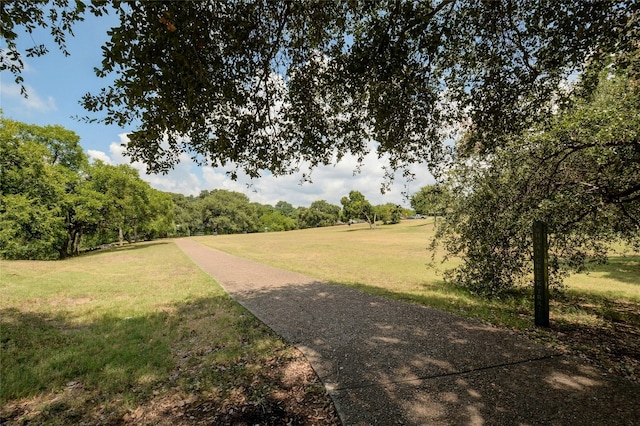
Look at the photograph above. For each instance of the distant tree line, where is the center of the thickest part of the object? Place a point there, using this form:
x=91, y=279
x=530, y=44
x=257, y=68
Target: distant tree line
x=531, y=143
x=221, y=211
x=55, y=203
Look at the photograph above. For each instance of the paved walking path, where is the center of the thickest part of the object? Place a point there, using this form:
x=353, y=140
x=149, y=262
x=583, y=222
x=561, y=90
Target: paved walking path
x=386, y=362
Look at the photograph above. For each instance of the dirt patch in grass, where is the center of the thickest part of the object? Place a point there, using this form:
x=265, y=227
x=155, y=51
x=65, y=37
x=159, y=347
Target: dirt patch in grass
x=301, y=401
x=286, y=391
x=292, y=396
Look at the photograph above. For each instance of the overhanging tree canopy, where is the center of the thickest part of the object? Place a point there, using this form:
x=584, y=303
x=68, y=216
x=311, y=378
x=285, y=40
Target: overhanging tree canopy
x=268, y=84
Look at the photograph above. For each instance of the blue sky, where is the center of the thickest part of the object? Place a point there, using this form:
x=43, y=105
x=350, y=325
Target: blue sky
x=56, y=84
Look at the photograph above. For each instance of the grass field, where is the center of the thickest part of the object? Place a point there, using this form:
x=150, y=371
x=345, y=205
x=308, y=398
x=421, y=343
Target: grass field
x=137, y=335
x=597, y=316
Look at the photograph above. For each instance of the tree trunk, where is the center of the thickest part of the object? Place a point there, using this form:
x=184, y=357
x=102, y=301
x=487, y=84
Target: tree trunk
x=65, y=250
x=76, y=244
x=372, y=223
x=62, y=252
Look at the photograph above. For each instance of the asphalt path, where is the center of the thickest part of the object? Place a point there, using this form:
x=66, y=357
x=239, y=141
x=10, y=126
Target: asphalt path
x=387, y=362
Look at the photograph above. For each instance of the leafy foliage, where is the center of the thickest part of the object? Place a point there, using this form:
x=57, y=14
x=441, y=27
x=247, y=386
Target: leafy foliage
x=430, y=200
x=284, y=208
x=53, y=201
x=227, y=212
x=389, y=213
x=356, y=207
x=31, y=184
x=27, y=231
x=275, y=221
x=135, y=211
x=319, y=213
x=224, y=212
x=266, y=84
x=580, y=174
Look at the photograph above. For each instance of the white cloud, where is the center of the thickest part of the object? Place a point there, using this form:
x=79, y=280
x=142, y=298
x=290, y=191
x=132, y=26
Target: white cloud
x=34, y=102
x=99, y=155
x=181, y=179
x=216, y=178
x=329, y=183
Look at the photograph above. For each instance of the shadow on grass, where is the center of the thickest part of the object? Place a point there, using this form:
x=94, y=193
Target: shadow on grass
x=44, y=352
x=125, y=248
x=603, y=329
x=193, y=358
x=352, y=229
x=421, y=225
x=513, y=309
x=625, y=269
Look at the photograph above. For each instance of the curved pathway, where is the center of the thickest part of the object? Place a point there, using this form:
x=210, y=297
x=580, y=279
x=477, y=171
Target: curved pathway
x=386, y=362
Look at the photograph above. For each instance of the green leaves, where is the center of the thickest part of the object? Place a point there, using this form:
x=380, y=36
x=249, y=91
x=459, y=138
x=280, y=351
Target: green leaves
x=319, y=213
x=356, y=207
x=431, y=200
x=227, y=212
x=29, y=230
x=133, y=210
x=580, y=175
x=53, y=201
x=267, y=84
x=31, y=223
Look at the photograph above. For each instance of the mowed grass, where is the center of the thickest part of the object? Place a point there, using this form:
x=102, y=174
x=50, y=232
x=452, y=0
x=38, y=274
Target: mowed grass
x=394, y=261
x=134, y=335
x=390, y=257
x=139, y=335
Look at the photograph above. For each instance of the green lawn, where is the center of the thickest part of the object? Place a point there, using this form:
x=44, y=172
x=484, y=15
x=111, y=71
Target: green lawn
x=394, y=261
x=137, y=334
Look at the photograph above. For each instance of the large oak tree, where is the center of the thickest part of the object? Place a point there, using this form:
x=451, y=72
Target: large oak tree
x=268, y=84
x=53, y=202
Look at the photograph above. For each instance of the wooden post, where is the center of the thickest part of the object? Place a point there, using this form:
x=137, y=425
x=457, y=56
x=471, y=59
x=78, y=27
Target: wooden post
x=541, y=273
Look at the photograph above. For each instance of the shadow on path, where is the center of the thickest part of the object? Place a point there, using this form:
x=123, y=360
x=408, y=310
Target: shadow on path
x=390, y=362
